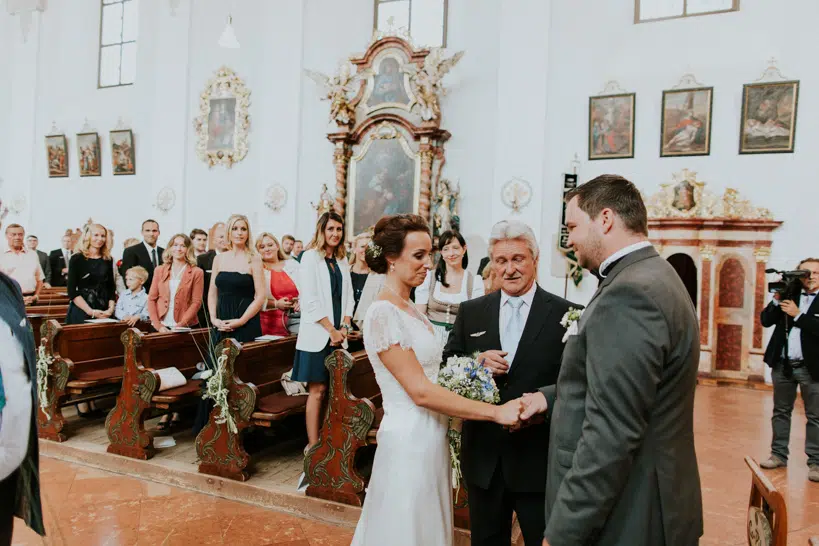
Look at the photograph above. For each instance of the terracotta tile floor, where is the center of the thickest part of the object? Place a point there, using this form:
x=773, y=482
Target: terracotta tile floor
x=90, y=507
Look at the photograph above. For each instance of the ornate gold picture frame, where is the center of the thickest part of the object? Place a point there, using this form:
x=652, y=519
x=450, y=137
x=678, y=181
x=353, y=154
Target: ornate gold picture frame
x=224, y=122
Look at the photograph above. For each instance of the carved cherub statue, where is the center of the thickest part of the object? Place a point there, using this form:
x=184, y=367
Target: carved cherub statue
x=339, y=90
x=427, y=82
x=325, y=203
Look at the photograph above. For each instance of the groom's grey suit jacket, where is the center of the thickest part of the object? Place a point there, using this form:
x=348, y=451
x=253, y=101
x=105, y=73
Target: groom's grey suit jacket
x=622, y=467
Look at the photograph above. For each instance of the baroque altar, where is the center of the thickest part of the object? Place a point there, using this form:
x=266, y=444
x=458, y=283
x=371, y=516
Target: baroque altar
x=389, y=146
x=720, y=246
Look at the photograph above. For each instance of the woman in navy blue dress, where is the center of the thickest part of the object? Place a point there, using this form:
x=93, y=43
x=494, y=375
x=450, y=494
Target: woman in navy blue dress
x=327, y=303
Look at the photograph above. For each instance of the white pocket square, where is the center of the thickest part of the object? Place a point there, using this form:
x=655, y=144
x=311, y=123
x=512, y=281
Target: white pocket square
x=477, y=334
x=86, y=275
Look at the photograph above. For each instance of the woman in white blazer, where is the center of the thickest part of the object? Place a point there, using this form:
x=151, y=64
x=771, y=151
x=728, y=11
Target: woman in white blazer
x=327, y=303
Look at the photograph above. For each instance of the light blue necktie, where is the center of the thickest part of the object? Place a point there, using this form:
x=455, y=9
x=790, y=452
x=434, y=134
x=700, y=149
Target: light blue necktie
x=514, y=328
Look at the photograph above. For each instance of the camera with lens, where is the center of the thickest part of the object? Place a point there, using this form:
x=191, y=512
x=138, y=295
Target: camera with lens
x=789, y=286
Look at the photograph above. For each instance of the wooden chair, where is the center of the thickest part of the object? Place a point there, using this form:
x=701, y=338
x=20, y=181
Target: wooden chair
x=139, y=393
x=252, y=375
x=767, y=512
x=86, y=365
x=351, y=423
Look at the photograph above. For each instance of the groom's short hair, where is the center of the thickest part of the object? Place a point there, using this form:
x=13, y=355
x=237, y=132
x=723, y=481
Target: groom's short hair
x=513, y=229
x=611, y=191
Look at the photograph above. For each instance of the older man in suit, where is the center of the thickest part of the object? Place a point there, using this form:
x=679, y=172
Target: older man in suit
x=622, y=466
x=148, y=253
x=518, y=334
x=32, y=242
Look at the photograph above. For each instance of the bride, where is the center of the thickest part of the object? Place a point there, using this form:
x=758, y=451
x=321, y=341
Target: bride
x=409, y=499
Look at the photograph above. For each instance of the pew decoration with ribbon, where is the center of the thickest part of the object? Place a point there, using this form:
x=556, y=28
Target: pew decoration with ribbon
x=44, y=361
x=216, y=390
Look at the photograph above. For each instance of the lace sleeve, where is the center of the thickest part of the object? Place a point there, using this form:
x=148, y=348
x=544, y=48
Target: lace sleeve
x=384, y=328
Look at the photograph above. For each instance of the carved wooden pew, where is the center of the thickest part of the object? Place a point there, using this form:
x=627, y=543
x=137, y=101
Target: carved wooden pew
x=50, y=299
x=767, y=512
x=252, y=374
x=86, y=365
x=38, y=315
x=144, y=354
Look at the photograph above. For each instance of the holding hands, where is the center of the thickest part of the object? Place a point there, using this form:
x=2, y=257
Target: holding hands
x=521, y=412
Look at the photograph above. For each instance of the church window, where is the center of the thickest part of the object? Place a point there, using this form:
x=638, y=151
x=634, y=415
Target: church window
x=656, y=10
x=425, y=20
x=119, y=22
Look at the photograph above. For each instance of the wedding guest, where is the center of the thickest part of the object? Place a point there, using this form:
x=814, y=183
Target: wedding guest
x=359, y=270
x=147, y=254
x=449, y=285
x=236, y=293
x=491, y=282
x=282, y=294
x=327, y=307
x=59, y=262
x=132, y=305
x=298, y=250
x=22, y=265
x=176, y=294
x=287, y=245
x=218, y=240
x=32, y=242
x=91, y=289
x=199, y=238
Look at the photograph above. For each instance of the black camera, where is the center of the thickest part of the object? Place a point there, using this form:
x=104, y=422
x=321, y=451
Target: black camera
x=789, y=286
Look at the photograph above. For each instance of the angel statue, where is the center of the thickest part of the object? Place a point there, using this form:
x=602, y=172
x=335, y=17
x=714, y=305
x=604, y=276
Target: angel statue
x=325, y=203
x=339, y=90
x=427, y=82
x=446, y=213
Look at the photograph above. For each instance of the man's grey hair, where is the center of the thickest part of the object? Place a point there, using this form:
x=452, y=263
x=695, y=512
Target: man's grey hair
x=513, y=230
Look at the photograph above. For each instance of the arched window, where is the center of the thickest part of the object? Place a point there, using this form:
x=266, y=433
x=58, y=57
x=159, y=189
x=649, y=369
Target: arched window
x=119, y=22
x=425, y=20
x=655, y=10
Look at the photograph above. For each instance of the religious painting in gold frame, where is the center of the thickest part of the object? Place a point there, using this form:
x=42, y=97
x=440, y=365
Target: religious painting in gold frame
x=123, y=154
x=686, y=122
x=57, y=156
x=223, y=124
x=88, y=154
x=768, y=117
x=611, y=126
x=385, y=179
x=388, y=86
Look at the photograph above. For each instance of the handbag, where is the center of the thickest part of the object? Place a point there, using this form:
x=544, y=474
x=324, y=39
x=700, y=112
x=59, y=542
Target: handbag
x=291, y=322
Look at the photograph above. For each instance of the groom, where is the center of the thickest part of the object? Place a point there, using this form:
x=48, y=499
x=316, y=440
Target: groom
x=518, y=334
x=622, y=466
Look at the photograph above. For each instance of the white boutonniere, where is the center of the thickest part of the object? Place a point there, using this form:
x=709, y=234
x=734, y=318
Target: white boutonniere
x=569, y=322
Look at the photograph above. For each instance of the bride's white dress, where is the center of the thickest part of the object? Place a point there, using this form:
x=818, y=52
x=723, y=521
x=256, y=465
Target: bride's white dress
x=409, y=498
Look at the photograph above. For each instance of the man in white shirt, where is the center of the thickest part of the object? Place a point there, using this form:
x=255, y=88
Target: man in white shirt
x=797, y=321
x=22, y=265
x=147, y=254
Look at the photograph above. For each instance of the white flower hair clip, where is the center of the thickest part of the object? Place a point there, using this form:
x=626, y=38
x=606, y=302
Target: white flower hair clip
x=373, y=249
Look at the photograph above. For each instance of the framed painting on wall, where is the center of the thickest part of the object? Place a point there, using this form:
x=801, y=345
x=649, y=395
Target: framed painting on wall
x=223, y=124
x=57, y=156
x=384, y=179
x=768, y=117
x=388, y=86
x=123, y=155
x=686, y=122
x=611, y=126
x=88, y=153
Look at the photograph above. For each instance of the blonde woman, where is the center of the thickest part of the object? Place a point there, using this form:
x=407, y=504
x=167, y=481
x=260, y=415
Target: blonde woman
x=176, y=293
x=359, y=270
x=91, y=288
x=326, y=312
x=282, y=294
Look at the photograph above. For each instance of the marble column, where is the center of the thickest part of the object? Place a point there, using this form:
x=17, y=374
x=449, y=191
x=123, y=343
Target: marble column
x=762, y=255
x=706, y=256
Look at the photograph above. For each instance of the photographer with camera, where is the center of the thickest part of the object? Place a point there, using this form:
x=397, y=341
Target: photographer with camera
x=793, y=355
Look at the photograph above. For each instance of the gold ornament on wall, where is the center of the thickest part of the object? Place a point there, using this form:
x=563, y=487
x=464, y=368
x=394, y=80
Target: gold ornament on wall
x=224, y=122
x=688, y=197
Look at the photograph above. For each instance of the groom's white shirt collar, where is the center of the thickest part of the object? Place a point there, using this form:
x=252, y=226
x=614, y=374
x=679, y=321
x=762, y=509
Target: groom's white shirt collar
x=620, y=253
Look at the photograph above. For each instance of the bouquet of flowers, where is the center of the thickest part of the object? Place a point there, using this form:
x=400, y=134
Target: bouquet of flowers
x=466, y=377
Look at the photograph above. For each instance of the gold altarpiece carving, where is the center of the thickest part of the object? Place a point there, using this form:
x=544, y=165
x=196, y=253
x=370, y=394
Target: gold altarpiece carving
x=389, y=147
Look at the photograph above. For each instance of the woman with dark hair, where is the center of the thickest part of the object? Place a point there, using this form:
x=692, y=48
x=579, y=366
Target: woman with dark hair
x=409, y=498
x=448, y=286
x=326, y=300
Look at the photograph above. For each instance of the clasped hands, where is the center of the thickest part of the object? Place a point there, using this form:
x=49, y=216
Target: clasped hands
x=227, y=325
x=523, y=411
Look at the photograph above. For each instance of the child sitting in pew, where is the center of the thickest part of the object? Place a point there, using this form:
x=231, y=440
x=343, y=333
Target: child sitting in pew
x=132, y=305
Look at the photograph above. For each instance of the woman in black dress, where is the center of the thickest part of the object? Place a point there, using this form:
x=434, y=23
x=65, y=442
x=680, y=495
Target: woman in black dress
x=91, y=288
x=326, y=298
x=236, y=295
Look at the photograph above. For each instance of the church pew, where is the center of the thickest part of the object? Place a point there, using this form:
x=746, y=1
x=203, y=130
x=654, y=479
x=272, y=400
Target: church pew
x=87, y=365
x=252, y=374
x=38, y=315
x=769, y=506
x=50, y=299
x=144, y=354
x=351, y=422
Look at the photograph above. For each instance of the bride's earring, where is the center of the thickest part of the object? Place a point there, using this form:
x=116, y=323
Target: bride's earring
x=392, y=268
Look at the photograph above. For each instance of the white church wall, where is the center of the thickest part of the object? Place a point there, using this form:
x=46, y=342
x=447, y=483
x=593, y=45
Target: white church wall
x=593, y=42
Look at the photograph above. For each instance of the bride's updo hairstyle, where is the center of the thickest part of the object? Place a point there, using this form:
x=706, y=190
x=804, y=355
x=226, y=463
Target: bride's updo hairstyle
x=388, y=239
